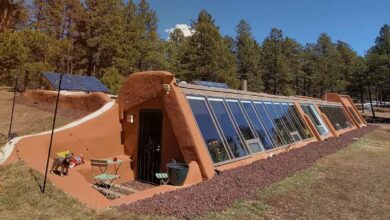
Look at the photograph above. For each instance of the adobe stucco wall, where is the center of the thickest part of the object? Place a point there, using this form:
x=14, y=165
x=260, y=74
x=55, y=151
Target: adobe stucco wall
x=97, y=136
x=170, y=149
x=144, y=86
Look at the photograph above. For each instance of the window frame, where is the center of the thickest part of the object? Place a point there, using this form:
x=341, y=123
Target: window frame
x=249, y=141
x=203, y=98
x=220, y=99
x=259, y=119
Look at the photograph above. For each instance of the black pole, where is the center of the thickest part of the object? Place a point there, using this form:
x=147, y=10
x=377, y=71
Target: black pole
x=52, y=133
x=13, y=108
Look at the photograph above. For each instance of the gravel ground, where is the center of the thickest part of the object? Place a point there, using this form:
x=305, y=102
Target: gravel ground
x=241, y=183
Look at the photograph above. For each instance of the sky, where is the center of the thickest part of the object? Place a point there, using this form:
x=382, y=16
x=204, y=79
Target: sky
x=356, y=22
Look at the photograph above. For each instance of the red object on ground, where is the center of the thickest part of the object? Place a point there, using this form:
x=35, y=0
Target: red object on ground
x=78, y=160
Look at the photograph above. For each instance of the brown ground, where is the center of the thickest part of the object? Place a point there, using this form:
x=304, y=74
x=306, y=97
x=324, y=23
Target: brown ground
x=72, y=114
x=224, y=190
x=137, y=185
x=382, y=115
x=28, y=118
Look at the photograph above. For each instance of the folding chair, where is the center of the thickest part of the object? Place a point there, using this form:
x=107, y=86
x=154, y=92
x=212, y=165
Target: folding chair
x=163, y=177
x=104, y=178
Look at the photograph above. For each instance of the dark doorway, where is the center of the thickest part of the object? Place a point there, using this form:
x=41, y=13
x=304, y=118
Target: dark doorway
x=149, y=145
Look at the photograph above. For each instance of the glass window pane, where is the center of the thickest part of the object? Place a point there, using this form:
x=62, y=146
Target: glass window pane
x=330, y=114
x=306, y=109
x=346, y=121
x=257, y=124
x=354, y=115
x=284, y=117
x=338, y=112
x=278, y=121
x=324, y=129
x=268, y=124
x=315, y=118
x=243, y=125
x=240, y=119
x=339, y=116
x=297, y=121
x=208, y=129
x=227, y=127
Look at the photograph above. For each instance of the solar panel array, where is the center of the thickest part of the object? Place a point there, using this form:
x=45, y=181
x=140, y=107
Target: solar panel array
x=75, y=82
x=90, y=83
x=211, y=84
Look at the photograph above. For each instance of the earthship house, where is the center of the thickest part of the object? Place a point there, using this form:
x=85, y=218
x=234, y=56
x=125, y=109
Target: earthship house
x=156, y=120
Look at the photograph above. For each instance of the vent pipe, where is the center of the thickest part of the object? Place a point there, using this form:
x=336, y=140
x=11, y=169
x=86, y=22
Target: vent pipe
x=244, y=85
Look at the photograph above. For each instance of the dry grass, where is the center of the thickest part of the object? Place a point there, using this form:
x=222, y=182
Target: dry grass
x=21, y=198
x=351, y=184
x=27, y=120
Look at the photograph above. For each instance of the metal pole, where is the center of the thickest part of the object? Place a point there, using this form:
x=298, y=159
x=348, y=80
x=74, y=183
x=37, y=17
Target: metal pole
x=52, y=133
x=13, y=107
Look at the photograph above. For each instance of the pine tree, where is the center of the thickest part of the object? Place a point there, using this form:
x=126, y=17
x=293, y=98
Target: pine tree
x=149, y=44
x=378, y=60
x=13, y=15
x=174, y=51
x=206, y=55
x=104, y=34
x=13, y=54
x=277, y=78
x=292, y=51
x=248, y=56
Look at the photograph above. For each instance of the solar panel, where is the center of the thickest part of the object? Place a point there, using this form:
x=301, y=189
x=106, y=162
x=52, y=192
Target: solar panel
x=75, y=82
x=211, y=84
x=90, y=83
x=68, y=83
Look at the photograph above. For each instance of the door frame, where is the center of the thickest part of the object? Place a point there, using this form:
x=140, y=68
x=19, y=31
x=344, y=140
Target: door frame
x=160, y=111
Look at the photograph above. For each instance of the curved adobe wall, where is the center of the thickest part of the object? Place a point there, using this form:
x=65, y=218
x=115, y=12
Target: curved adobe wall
x=144, y=86
x=96, y=136
x=74, y=101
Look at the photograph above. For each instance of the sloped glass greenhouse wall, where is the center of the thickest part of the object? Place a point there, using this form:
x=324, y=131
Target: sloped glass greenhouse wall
x=209, y=131
x=311, y=111
x=233, y=128
x=337, y=116
x=257, y=124
x=229, y=131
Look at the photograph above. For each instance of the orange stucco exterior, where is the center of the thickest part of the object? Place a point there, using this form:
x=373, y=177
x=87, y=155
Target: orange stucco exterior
x=110, y=134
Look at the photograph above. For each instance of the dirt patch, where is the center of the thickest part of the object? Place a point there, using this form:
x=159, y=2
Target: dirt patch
x=70, y=106
x=27, y=119
x=137, y=185
x=72, y=114
x=222, y=191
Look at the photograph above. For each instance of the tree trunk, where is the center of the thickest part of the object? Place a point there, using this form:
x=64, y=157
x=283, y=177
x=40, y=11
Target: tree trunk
x=361, y=98
x=377, y=98
x=3, y=19
x=369, y=96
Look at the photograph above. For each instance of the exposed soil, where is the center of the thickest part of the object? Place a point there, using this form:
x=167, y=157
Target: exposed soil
x=72, y=114
x=137, y=185
x=241, y=183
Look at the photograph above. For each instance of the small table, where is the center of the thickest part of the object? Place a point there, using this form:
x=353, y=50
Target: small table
x=116, y=164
